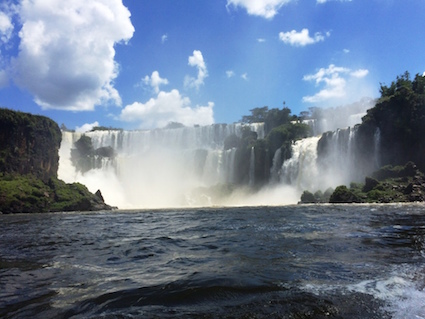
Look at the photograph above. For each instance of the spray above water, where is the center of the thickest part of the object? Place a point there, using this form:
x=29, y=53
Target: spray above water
x=204, y=166
x=158, y=168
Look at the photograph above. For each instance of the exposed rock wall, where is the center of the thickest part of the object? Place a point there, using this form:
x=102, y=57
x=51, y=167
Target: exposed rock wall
x=29, y=160
x=29, y=144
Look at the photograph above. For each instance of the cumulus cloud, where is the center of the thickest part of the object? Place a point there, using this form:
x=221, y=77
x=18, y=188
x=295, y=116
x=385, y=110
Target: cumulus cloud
x=165, y=108
x=245, y=76
x=86, y=127
x=155, y=81
x=301, y=38
x=197, y=60
x=6, y=27
x=360, y=73
x=66, y=54
x=261, y=40
x=164, y=38
x=262, y=8
x=334, y=79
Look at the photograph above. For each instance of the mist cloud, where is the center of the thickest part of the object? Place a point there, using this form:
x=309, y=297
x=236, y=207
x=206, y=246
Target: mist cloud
x=66, y=51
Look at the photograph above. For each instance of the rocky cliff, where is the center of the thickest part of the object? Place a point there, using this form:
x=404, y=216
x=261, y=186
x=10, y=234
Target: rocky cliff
x=29, y=144
x=29, y=160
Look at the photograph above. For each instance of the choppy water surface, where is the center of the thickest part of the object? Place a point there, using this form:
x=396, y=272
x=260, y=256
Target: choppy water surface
x=261, y=262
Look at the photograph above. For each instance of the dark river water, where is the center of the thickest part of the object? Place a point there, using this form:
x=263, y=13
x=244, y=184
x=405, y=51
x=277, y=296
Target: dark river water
x=346, y=261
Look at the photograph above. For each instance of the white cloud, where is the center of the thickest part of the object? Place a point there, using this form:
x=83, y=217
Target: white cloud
x=164, y=38
x=334, y=79
x=360, y=73
x=86, y=127
x=261, y=40
x=197, y=60
x=263, y=8
x=4, y=79
x=155, y=81
x=346, y=51
x=6, y=27
x=301, y=38
x=165, y=108
x=245, y=76
x=66, y=54
x=230, y=73
x=324, y=1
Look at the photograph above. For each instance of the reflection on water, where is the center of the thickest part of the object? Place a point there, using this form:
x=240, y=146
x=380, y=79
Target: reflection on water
x=347, y=261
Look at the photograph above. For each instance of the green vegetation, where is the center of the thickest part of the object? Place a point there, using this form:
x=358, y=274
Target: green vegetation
x=281, y=129
x=105, y=128
x=387, y=185
x=29, y=160
x=29, y=194
x=399, y=115
x=29, y=144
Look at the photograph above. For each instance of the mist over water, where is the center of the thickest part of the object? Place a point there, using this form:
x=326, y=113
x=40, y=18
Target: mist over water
x=158, y=168
x=188, y=166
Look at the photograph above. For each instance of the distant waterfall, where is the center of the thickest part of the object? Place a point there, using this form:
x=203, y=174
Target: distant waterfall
x=276, y=166
x=252, y=167
x=156, y=168
x=320, y=162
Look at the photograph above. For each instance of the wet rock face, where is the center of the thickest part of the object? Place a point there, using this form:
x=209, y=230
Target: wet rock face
x=29, y=144
x=29, y=161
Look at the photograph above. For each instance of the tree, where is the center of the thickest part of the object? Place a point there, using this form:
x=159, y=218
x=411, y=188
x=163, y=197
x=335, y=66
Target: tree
x=258, y=115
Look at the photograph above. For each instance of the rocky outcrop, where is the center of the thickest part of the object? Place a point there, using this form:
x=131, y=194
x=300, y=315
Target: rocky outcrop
x=85, y=157
x=29, y=144
x=29, y=161
x=388, y=185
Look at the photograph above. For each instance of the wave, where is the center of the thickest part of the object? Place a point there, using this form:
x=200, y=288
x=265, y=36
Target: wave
x=225, y=298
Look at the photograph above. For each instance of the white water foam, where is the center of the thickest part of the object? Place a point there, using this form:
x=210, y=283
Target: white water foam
x=402, y=291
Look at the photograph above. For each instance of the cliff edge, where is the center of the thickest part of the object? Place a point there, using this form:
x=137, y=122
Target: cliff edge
x=29, y=160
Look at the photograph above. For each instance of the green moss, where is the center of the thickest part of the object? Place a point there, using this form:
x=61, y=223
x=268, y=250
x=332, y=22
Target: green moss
x=23, y=194
x=28, y=194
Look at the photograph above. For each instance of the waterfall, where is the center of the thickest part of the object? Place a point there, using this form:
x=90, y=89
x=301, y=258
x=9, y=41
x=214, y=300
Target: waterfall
x=177, y=167
x=252, y=167
x=301, y=169
x=276, y=166
x=156, y=168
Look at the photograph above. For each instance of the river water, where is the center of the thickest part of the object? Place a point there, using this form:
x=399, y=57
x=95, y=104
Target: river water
x=319, y=261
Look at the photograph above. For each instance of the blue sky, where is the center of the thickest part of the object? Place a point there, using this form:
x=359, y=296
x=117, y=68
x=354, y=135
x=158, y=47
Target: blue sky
x=142, y=64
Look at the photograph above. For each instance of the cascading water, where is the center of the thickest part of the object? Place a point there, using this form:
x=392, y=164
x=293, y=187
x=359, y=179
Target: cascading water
x=301, y=169
x=175, y=167
x=156, y=168
x=275, y=171
x=252, y=167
